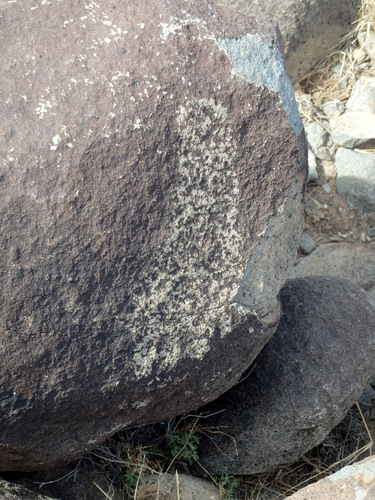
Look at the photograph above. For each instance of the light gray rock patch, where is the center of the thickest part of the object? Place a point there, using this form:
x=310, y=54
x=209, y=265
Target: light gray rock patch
x=316, y=135
x=313, y=171
x=259, y=62
x=362, y=97
x=354, y=129
x=306, y=244
x=351, y=261
x=356, y=179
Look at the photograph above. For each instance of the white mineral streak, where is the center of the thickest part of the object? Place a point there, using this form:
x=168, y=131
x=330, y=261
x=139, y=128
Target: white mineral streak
x=259, y=62
x=201, y=243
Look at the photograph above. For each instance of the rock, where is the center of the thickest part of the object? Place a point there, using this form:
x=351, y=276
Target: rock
x=367, y=43
x=316, y=135
x=366, y=399
x=352, y=261
x=165, y=488
x=326, y=188
x=355, y=482
x=333, y=109
x=84, y=480
x=362, y=97
x=151, y=208
x=355, y=179
x=313, y=171
x=354, y=129
x=310, y=28
x=306, y=244
x=12, y=491
x=301, y=385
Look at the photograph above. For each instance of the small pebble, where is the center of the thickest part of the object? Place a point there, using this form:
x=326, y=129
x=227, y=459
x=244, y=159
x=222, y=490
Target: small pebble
x=371, y=231
x=306, y=244
x=326, y=188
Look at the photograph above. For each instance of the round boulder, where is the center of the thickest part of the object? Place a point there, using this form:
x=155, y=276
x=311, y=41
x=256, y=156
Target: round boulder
x=151, y=200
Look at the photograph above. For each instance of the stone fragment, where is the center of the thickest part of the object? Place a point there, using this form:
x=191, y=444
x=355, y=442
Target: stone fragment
x=367, y=43
x=306, y=244
x=301, y=385
x=355, y=180
x=316, y=135
x=353, y=482
x=13, y=491
x=352, y=261
x=313, y=171
x=354, y=129
x=362, y=97
x=151, y=204
x=165, y=487
x=326, y=188
x=310, y=28
x=359, y=55
x=333, y=109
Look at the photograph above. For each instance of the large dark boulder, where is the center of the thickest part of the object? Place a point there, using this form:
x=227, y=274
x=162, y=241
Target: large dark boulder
x=151, y=198
x=301, y=385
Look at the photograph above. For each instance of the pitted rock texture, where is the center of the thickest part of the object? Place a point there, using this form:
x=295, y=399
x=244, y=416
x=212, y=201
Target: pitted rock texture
x=301, y=385
x=310, y=28
x=152, y=192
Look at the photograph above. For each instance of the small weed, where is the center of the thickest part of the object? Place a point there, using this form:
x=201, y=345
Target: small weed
x=227, y=485
x=130, y=478
x=183, y=445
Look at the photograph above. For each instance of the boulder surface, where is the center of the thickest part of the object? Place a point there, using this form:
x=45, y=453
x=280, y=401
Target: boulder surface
x=152, y=191
x=310, y=28
x=353, y=482
x=301, y=385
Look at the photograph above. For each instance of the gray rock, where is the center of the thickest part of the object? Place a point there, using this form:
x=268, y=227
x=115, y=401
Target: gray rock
x=12, y=491
x=152, y=195
x=362, y=97
x=313, y=171
x=352, y=261
x=316, y=135
x=164, y=487
x=354, y=129
x=306, y=244
x=355, y=482
x=367, y=43
x=326, y=188
x=355, y=179
x=310, y=28
x=333, y=109
x=301, y=385
x=366, y=399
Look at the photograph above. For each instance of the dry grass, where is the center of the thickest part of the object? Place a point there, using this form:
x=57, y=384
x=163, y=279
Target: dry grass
x=334, y=76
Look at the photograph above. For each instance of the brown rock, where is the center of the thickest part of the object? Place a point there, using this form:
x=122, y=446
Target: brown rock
x=301, y=385
x=151, y=202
